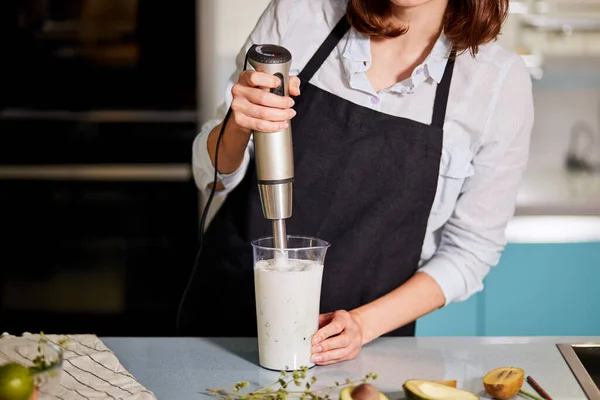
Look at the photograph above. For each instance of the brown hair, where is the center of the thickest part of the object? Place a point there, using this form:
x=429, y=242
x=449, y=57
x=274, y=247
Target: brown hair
x=467, y=23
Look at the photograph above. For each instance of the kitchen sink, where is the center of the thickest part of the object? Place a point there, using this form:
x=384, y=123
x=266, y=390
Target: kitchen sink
x=584, y=361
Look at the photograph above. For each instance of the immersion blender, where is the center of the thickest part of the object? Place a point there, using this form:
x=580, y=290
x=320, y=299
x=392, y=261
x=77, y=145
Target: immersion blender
x=273, y=155
x=273, y=152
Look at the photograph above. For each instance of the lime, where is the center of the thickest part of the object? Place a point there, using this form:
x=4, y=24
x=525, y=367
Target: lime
x=16, y=382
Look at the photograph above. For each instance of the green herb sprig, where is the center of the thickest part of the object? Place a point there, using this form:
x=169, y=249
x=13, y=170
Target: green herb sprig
x=40, y=363
x=278, y=390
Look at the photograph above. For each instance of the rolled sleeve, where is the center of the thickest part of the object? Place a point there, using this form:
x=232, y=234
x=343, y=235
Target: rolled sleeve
x=473, y=238
x=204, y=170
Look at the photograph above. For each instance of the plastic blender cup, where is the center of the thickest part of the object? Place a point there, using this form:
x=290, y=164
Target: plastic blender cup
x=288, y=294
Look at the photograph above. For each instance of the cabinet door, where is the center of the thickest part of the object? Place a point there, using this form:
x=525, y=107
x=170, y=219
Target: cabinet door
x=544, y=289
x=457, y=319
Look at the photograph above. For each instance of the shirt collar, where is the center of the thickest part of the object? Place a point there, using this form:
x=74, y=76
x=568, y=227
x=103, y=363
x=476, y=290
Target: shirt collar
x=356, y=56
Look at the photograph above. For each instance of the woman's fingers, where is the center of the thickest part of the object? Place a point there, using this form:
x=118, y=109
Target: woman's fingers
x=338, y=338
x=333, y=356
x=258, y=79
x=255, y=79
x=344, y=346
x=261, y=97
x=260, y=112
x=335, y=342
x=256, y=124
x=294, y=85
x=334, y=327
x=256, y=108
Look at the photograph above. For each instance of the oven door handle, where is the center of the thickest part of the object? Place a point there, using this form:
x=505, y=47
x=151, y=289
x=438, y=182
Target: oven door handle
x=136, y=172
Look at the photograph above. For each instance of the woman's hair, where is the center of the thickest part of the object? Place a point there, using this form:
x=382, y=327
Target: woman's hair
x=467, y=23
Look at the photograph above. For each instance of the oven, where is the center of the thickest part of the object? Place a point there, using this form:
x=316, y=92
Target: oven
x=98, y=209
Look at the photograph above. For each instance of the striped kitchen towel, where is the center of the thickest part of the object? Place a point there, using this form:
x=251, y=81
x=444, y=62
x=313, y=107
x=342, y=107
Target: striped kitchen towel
x=90, y=369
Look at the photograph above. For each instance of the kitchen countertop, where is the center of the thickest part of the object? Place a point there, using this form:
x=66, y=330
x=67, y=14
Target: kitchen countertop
x=182, y=368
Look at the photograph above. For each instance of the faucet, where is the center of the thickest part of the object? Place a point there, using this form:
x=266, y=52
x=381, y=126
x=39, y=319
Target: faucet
x=584, y=149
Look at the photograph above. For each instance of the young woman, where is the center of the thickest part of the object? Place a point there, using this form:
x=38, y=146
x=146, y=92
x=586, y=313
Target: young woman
x=411, y=131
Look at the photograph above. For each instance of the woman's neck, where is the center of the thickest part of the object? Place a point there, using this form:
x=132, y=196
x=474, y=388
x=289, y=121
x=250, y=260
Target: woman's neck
x=424, y=23
x=393, y=60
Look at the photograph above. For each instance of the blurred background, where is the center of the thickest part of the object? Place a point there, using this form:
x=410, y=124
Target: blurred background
x=100, y=101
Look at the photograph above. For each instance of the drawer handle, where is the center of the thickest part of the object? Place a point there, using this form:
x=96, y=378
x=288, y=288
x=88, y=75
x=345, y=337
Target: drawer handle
x=172, y=172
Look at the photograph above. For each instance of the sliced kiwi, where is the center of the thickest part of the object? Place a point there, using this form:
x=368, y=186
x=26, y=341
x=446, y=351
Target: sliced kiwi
x=504, y=383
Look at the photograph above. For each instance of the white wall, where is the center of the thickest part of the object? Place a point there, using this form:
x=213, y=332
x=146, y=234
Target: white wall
x=224, y=26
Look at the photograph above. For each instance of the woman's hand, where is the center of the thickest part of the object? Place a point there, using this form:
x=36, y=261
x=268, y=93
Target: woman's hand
x=339, y=338
x=254, y=108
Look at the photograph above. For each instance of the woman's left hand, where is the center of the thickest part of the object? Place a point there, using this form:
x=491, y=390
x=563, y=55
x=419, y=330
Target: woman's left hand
x=339, y=338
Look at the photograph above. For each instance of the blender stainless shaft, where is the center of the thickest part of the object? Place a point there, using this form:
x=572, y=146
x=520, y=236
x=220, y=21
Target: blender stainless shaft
x=274, y=156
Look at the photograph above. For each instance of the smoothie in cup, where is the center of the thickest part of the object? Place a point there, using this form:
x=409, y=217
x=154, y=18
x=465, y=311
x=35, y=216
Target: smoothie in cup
x=288, y=292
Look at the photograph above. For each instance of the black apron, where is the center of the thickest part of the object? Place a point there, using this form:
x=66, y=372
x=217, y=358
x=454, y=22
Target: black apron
x=365, y=182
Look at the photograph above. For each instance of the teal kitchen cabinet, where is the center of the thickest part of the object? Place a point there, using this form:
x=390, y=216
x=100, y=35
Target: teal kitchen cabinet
x=537, y=289
x=546, y=289
x=457, y=319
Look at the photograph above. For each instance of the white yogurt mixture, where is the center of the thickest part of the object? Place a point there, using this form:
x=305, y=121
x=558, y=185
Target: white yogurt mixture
x=287, y=310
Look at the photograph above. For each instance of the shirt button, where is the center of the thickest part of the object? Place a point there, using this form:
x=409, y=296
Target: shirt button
x=375, y=100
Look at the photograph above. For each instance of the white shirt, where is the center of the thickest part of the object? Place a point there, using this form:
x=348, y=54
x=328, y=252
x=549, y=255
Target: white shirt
x=486, y=133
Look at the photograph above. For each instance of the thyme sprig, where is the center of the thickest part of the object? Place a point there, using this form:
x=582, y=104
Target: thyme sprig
x=278, y=390
x=40, y=362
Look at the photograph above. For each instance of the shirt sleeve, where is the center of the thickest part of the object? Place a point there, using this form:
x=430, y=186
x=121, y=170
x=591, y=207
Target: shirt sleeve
x=270, y=28
x=474, y=236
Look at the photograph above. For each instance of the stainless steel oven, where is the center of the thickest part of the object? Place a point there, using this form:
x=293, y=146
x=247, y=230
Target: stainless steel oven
x=98, y=230
x=98, y=209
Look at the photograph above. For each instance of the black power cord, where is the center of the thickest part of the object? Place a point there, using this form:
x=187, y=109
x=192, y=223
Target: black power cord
x=206, y=208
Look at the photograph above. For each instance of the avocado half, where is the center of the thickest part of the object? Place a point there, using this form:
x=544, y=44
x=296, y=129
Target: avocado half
x=416, y=389
x=369, y=394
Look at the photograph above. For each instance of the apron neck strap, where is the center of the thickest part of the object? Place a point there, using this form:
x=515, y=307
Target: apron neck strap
x=341, y=28
x=442, y=93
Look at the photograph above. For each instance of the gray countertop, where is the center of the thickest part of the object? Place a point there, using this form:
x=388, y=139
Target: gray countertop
x=182, y=368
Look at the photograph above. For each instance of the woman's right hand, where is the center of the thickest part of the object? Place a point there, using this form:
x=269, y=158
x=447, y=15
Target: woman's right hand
x=255, y=108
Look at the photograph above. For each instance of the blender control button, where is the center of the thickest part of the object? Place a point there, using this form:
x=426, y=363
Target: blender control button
x=279, y=89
